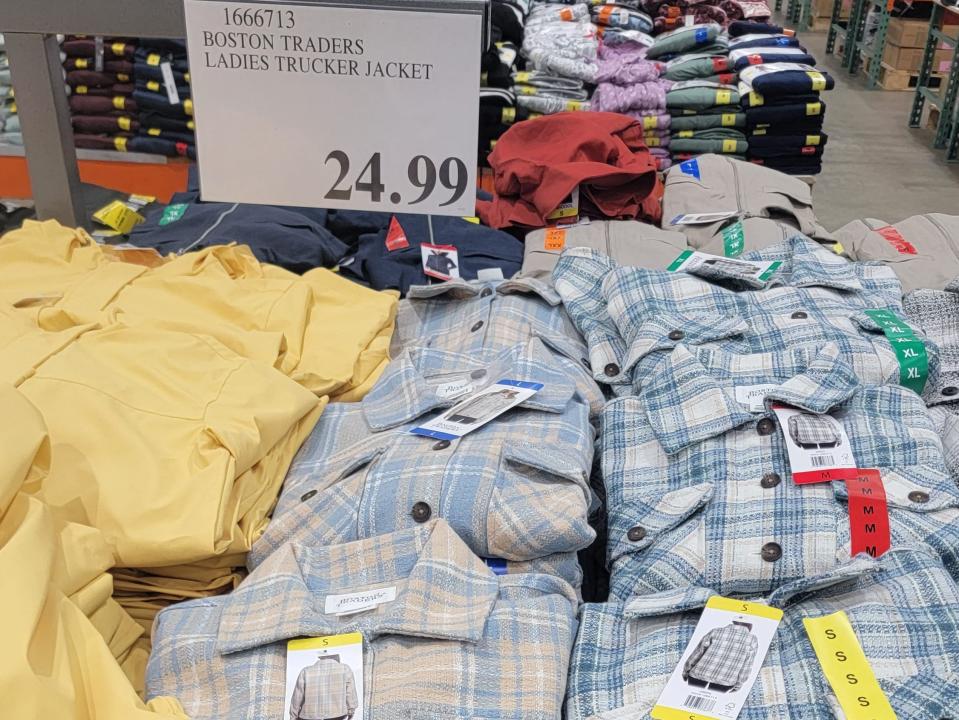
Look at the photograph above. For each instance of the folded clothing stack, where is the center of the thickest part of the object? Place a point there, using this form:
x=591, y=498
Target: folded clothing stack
x=498, y=109
x=672, y=14
x=9, y=120
x=165, y=112
x=703, y=100
x=780, y=94
x=560, y=46
x=99, y=74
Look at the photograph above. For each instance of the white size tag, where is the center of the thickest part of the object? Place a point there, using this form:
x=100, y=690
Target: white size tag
x=98, y=53
x=324, y=677
x=754, y=396
x=693, y=260
x=358, y=602
x=818, y=447
x=489, y=274
x=478, y=409
x=454, y=388
x=722, y=661
x=689, y=20
x=172, y=94
x=440, y=261
x=703, y=218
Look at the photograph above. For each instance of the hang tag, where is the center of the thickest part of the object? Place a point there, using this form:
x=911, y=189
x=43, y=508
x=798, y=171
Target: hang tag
x=895, y=238
x=478, y=409
x=455, y=388
x=721, y=663
x=818, y=447
x=693, y=260
x=324, y=677
x=440, y=261
x=868, y=514
x=909, y=349
x=846, y=668
x=569, y=208
x=396, y=236
x=703, y=218
x=754, y=396
x=172, y=213
x=172, y=94
x=98, y=53
x=118, y=216
x=555, y=239
x=353, y=603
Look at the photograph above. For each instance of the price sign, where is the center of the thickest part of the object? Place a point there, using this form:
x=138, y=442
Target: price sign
x=368, y=108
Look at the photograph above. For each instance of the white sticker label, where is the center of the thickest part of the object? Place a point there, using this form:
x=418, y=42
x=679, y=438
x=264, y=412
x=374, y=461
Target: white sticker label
x=818, y=447
x=172, y=94
x=324, y=677
x=454, y=388
x=440, y=261
x=689, y=20
x=753, y=396
x=722, y=661
x=489, y=274
x=693, y=260
x=358, y=602
x=478, y=409
x=702, y=218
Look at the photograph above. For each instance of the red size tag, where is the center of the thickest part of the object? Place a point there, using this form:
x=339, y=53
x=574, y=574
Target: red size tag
x=395, y=236
x=868, y=514
x=720, y=64
x=181, y=148
x=755, y=59
x=894, y=238
x=727, y=78
x=808, y=150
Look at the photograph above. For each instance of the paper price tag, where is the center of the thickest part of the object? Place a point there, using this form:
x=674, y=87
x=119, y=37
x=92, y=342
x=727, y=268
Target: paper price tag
x=478, y=409
x=721, y=663
x=846, y=668
x=909, y=349
x=331, y=664
x=818, y=447
x=440, y=261
x=555, y=239
x=695, y=261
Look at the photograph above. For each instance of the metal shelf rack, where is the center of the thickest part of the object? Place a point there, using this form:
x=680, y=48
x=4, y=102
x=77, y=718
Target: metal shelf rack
x=947, y=129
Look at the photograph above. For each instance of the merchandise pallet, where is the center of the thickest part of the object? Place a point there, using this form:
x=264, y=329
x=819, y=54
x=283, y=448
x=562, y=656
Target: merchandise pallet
x=947, y=127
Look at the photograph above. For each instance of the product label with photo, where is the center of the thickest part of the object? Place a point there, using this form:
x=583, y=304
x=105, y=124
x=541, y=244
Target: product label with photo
x=324, y=677
x=440, y=261
x=692, y=260
x=817, y=444
x=478, y=409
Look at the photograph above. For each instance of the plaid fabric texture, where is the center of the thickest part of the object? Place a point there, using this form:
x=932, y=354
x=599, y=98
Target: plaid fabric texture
x=325, y=689
x=904, y=609
x=724, y=656
x=689, y=465
x=457, y=641
x=936, y=313
x=473, y=316
x=809, y=429
x=631, y=316
x=516, y=488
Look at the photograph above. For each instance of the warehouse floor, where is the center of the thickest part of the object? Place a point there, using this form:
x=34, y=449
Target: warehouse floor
x=875, y=165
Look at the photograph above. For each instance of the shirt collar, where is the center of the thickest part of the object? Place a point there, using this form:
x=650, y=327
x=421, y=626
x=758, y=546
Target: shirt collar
x=404, y=392
x=460, y=289
x=689, y=399
x=443, y=590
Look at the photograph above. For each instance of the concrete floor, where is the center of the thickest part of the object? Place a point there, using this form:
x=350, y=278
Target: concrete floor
x=875, y=165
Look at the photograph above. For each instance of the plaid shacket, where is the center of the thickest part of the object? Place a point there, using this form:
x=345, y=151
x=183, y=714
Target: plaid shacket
x=724, y=656
x=631, y=316
x=326, y=689
x=903, y=607
x=517, y=488
x=457, y=641
x=697, y=484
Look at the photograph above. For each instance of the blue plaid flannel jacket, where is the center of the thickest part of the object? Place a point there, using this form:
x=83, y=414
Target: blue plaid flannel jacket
x=456, y=642
x=473, y=316
x=904, y=608
x=699, y=489
x=632, y=316
x=516, y=488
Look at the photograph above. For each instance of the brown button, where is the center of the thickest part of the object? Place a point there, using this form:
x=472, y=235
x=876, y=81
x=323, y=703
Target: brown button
x=676, y=335
x=770, y=480
x=476, y=326
x=918, y=496
x=635, y=534
x=486, y=292
x=799, y=315
x=611, y=370
x=772, y=552
x=765, y=427
x=950, y=390
x=441, y=445
x=477, y=374
x=421, y=512
x=307, y=495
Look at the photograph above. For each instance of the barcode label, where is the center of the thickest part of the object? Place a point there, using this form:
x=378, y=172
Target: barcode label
x=821, y=461
x=695, y=702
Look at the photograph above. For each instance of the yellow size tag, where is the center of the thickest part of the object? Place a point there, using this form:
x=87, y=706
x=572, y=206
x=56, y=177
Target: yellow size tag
x=723, y=97
x=474, y=220
x=650, y=122
x=119, y=101
x=81, y=89
x=729, y=119
x=651, y=141
x=186, y=76
x=81, y=64
x=508, y=115
x=153, y=59
x=521, y=77
x=188, y=106
x=759, y=131
x=755, y=99
x=818, y=80
x=685, y=133
x=846, y=668
x=526, y=90
x=123, y=77
x=317, y=643
x=123, y=123
x=13, y=107
x=574, y=105
x=120, y=143
x=118, y=216
x=190, y=124
x=741, y=606
x=153, y=85
x=813, y=139
x=484, y=78
x=118, y=48
x=155, y=132
x=729, y=146
x=813, y=108
x=838, y=248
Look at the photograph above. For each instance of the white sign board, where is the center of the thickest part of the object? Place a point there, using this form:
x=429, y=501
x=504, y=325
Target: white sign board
x=322, y=106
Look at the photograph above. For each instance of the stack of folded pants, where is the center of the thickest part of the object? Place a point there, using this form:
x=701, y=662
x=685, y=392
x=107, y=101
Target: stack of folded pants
x=703, y=99
x=165, y=114
x=9, y=120
x=780, y=94
x=560, y=46
x=501, y=60
x=102, y=111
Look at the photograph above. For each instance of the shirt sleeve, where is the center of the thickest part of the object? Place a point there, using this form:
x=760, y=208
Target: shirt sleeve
x=698, y=652
x=351, y=700
x=748, y=661
x=296, y=702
